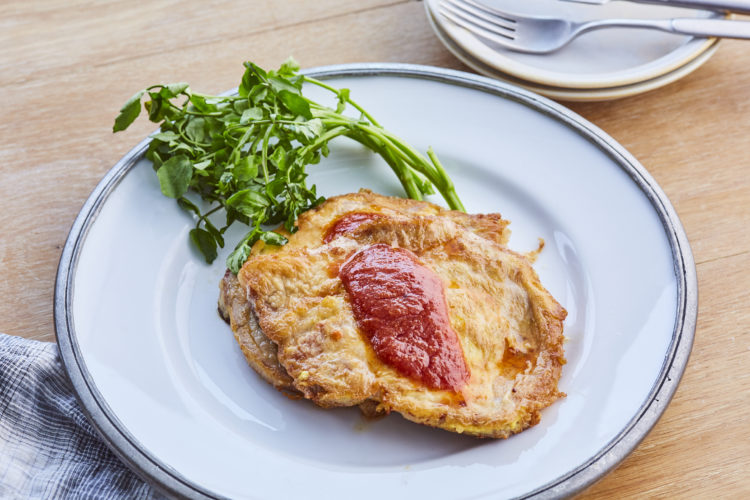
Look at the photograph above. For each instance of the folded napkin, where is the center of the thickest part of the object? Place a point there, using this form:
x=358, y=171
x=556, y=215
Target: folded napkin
x=47, y=447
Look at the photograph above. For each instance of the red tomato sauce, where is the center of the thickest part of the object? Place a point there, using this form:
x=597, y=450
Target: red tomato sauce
x=400, y=306
x=348, y=223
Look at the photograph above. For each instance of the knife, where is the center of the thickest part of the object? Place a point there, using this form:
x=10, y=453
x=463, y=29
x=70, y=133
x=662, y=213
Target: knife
x=739, y=6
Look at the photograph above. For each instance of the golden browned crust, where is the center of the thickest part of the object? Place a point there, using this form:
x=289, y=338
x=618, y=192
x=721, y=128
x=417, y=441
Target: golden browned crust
x=259, y=350
x=509, y=326
x=312, y=225
x=235, y=308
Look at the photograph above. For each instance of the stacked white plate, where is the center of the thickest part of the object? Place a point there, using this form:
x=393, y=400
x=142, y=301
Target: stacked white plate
x=600, y=65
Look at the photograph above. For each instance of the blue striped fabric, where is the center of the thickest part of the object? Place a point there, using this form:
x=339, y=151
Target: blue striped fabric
x=47, y=447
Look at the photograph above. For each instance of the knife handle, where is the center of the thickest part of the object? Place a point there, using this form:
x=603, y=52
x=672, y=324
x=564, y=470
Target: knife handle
x=711, y=27
x=739, y=6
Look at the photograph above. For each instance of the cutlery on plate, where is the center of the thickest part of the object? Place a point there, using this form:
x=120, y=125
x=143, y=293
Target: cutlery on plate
x=739, y=6
x=540, y=35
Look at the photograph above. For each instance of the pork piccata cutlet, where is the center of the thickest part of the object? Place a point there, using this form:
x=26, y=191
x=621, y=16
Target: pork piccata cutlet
x=399, y=305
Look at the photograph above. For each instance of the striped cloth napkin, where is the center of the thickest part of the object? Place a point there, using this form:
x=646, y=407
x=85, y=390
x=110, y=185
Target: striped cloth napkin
x=47, y=447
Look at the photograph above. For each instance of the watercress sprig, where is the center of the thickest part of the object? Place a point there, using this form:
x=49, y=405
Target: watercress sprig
x=247, y=153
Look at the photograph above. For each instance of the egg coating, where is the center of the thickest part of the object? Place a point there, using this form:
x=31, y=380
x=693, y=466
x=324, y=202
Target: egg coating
x=509, y=326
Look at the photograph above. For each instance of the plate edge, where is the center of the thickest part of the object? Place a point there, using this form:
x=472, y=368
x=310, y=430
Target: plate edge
x=169, y=481
x=104, y=421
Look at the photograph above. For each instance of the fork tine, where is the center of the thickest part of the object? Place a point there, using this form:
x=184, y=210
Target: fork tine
x=490, y=10
x=491, y=16
x=471, y=22
x=500, y=39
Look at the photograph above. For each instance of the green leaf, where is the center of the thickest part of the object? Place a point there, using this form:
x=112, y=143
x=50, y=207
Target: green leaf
x=155, y=158
x=129, y=112
x=216, y=130
x=295, y=103
x=188, y=205
x=251, y=114
x=155, y=107
x=214, y=232
x=202, y=165
x=205, y=243
x=232, y=216
x=225, y=179
x=201, y=104
x=279, y=157
x=168, y=136
x=196, y=130
x=240, y=255
x=248, y=202
x=258, y=93
x=246, y=169
x=343, y=98
x=221, y=155
x=289, y=67
x=174, y=176
x=246, y=84
x=260, y=74
x=240, y=105
x=281, y=84
x=253, y=76
x=182, y=147
x=273, y=238
x=310, y=129
x=231, y=118
x=276, y=187
x=173, y=90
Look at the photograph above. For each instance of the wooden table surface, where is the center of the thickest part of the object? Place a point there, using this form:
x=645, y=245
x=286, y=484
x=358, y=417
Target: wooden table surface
x=67, y=66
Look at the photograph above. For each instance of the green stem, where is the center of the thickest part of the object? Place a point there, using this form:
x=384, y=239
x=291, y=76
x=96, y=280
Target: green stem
x=337, y=92
x=240, y=143
x=434, y=172
x=205, y=216
x=198, y=113
x=324, y=138
x=404, y=174
x=225, y=98
x=264, y=160
x=450, y=188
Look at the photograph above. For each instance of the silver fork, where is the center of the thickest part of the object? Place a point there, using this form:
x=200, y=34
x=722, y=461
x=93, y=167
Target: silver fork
x=540, y=35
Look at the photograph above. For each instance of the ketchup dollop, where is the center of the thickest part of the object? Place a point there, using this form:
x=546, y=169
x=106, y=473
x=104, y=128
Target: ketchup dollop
x=399, y=304
x=348, y=223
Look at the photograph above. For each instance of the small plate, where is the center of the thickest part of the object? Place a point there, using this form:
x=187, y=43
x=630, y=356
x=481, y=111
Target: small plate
x=614, y=57
x=572, y=95
x=162, y=379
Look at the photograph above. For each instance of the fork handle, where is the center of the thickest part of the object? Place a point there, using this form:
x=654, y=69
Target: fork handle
x=722, y=28
x=739, y=6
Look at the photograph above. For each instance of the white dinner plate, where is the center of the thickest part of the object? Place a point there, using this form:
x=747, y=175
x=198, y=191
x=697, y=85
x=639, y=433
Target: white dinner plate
x=566, y=94
x=162, y=379
x=613, y=57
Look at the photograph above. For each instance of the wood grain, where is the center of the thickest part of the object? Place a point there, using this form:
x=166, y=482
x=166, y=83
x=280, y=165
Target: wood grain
x=66, y=67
